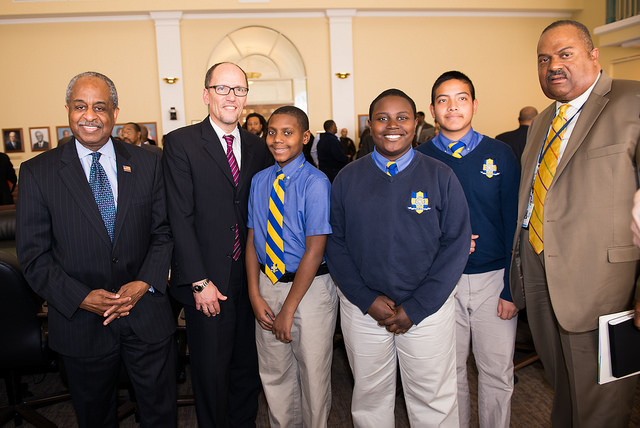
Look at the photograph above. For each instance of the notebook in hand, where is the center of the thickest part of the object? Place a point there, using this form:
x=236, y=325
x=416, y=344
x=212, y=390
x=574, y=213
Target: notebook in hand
x=624, y=339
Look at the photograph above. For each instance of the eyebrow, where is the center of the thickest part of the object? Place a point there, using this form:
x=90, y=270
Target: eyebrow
x=457, y=93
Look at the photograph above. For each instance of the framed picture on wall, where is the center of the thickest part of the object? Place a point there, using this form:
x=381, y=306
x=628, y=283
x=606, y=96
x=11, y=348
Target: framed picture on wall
x=362, y=123
x=40, y=138
x=153, y=130
x=117, y=130
x=13, y=141
x=63, y=132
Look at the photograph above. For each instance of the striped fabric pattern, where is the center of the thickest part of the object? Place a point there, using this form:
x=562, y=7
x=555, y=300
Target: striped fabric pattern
x=275, y=246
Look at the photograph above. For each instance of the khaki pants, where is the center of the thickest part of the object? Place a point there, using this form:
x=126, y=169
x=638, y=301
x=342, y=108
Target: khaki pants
x=296, y=376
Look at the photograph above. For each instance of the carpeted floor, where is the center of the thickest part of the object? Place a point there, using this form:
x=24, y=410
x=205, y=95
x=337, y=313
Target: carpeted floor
x=531, y=403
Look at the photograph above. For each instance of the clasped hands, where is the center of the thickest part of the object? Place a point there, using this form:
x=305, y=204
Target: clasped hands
x=114, y=305
x=389, y=316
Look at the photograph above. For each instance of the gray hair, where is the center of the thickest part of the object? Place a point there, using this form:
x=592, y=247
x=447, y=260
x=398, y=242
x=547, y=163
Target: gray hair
x=113, y=94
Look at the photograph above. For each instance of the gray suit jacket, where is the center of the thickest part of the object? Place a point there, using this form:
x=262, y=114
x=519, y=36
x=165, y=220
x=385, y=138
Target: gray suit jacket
x=590, y=261
x=65, y=250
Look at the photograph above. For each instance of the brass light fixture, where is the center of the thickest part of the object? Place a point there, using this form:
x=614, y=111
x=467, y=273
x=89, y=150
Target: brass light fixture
x=170, y=80
x=253, y=75
x=342, y=75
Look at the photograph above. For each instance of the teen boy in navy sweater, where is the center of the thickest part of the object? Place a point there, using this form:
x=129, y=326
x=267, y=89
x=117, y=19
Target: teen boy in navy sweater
x=293, y=297
x=485, y=314
x=400, y=241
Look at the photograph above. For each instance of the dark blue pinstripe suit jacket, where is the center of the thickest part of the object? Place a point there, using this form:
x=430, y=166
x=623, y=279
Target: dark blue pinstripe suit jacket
x=65, y=251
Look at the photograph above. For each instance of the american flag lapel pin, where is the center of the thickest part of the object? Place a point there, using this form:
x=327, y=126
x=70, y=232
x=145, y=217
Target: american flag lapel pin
x=126, y=168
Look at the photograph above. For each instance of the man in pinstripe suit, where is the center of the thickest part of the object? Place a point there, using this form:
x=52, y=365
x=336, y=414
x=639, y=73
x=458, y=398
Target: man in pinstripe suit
x=105, y=280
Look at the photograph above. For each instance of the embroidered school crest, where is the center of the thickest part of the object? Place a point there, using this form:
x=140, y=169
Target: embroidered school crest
x=419, y=202
x=489, y=168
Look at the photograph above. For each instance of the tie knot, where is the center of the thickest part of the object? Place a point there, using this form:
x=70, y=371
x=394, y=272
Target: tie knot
x=96, y=156
x=228, y=139
x=562, y=111
x=279, y=174
x=392, y=168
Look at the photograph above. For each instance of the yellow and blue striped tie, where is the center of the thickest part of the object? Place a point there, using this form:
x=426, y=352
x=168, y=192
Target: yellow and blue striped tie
x=456, y=148
x=275, y=248
x=392, y=168
x=544, y=177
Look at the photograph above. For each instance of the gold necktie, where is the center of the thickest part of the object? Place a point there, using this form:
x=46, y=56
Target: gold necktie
x=544, y=177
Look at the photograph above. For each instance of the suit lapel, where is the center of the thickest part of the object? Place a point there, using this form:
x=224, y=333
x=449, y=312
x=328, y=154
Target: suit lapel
x=592, y=108
x=213, y=146
x=247, y=159
x=75, y=180
x=126, y=180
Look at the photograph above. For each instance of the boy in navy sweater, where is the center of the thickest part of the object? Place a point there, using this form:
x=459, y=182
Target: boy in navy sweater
x=400, y=241
x=490, y=176
x=293, y=297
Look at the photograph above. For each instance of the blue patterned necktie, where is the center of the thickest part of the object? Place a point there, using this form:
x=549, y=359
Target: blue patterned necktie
x=275, y=245
x=102, y=193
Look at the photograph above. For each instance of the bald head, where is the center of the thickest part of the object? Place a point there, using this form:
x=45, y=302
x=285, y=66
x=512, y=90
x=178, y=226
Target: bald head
x=526, y=115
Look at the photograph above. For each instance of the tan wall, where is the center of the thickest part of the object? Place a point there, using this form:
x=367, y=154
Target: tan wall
x=42, y=58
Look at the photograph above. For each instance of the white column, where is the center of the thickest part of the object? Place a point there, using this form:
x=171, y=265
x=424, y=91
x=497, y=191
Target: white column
x=341, y=45
x=169, y=65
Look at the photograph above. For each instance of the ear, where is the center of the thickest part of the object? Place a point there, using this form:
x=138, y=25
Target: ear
x=432, y=110
x=205, y=97
x=306, y=137
x=475, y=106
x=595, y=54
x=115, y=114
x=368, y=123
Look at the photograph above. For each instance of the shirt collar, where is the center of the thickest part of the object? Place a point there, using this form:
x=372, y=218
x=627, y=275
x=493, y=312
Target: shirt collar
x=220, y=133
x=107, y=150
x=292, y=167
x=466, y=139
x=577, y=103
x=402, y=161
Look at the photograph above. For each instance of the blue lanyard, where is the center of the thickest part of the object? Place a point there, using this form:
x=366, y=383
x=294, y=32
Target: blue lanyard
x=545, y=148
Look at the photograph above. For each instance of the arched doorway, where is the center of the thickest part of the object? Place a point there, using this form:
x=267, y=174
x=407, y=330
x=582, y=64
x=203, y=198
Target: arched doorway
x=273, y=65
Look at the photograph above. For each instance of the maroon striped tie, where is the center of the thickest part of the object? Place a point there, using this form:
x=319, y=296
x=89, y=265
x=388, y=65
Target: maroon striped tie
x=235, y=172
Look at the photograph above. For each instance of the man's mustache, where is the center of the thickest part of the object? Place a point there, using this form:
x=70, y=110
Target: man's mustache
x=556, y=73
x=93, y=124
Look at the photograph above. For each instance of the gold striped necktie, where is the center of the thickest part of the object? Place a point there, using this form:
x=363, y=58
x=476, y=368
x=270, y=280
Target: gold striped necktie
x=275, y=248
x=544, y=177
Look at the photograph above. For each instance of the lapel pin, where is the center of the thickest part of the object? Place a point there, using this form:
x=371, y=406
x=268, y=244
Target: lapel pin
x=126, y=168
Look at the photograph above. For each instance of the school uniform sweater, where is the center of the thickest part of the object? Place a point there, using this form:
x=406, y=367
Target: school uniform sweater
x=406, y=237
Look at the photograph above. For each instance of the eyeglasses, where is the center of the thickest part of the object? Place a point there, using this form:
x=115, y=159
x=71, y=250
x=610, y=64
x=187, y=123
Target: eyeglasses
x=239, y=91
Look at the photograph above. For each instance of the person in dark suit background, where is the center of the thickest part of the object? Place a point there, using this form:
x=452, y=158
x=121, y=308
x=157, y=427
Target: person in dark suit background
x=517, y=138
x=40, y=143
x=424, y=130
x=347, y=144
x=94, y=241
x=132, y=134
x=7, y=175
x=331, y=157
x=208, y=171
x=573, y=258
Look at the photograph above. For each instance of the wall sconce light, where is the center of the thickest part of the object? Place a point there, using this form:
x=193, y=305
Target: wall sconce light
x=253, y=75
x=173, y=114
x=342, y=75
x=170, y=80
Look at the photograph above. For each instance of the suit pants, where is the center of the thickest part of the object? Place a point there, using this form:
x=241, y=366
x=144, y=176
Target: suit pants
x=296, y=376
x=426, y=353
x=151, y=370
x=493, y=341
x=224, y=365
x=570, y=359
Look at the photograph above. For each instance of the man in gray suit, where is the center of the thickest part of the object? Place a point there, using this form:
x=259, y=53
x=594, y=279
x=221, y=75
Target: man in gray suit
x=94, y=241
x=573, y=256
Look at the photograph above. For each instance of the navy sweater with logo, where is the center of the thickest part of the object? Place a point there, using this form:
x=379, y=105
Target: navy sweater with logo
x=406, y=237
x=490, y=177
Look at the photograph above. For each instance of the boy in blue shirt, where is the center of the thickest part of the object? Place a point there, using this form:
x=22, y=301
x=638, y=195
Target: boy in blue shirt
x=485, y=313
x=293, y=297
x=400, y=241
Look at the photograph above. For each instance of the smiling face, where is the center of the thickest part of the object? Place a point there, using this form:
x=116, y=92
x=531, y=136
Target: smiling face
x=225, y=110
x=453, y=108
x=91, y=112
x=566, y=67
x=393, y=125
x=285, y=138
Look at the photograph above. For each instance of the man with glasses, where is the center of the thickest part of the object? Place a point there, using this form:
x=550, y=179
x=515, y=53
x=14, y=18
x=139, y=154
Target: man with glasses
x=208, y=169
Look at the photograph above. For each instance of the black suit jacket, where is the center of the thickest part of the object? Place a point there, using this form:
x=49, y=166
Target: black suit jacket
x=516, y=139
x=65, y=251
x=204, y=204
x=331, y=157
x=7, y=175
